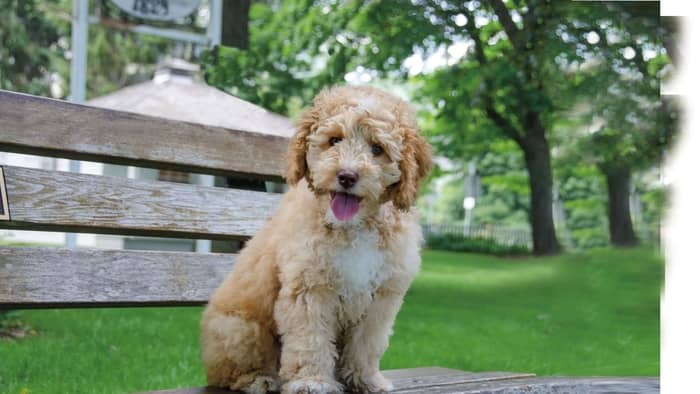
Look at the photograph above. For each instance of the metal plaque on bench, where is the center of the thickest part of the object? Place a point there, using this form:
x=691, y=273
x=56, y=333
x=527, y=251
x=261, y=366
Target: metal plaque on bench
x=4, y=205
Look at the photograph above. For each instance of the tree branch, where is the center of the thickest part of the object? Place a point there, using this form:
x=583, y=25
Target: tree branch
x=529, y=18
x=639, y=60
x=509, y=26
x=502, y=123
x=608, y=53
x=478, y=45
x=499, y=120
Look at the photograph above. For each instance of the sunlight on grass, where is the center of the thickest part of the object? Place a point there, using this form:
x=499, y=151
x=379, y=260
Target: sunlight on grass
x=488, y=278
x=588, y=314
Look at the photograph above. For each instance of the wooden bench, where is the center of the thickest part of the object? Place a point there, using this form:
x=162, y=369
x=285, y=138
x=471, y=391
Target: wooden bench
x=72, y=202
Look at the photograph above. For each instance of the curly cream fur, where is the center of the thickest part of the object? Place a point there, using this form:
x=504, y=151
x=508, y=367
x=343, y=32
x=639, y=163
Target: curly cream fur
x=311, y=300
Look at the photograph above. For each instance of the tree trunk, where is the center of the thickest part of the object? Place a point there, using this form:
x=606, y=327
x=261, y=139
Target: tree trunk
x=539, y=168
x=234, y=24
x=619, y=218
x=234, y=33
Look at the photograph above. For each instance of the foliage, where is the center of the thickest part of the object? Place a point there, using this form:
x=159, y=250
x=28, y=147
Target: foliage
x=618, y=124
x=294, y=51
x=620, y=84
x=458, y=243
x=29, y=40
x=589, y=237
x=505, y=194
x=502, y=190
x=654, y=200
x=448, y=207
x=582, y=189
x=6, y=315
x=35, y=39
x=505, y=91
x=118, y=58
x=12, y=327
x=624, y=124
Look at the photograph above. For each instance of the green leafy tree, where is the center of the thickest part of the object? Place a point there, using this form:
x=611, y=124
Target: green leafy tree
x=526, y=87
x=28, y=44
x=116, y=57
x=515, y=81
x=582, y=190
x=503, y=90
x=35, y=39
x=505, y=197
x=290, y=56
x=624, y=57
x=330, y=40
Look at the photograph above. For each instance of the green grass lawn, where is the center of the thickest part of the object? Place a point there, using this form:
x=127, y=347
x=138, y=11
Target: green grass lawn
x=595, y=313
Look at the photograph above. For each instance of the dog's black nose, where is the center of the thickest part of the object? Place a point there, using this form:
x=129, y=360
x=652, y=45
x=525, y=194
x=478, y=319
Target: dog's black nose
x=347, y=178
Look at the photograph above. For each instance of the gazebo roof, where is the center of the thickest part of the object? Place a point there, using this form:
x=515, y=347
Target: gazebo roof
x=174, y=93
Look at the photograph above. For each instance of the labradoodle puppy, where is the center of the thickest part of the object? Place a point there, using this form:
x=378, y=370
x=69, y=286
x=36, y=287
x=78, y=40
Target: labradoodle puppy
x=311, y=300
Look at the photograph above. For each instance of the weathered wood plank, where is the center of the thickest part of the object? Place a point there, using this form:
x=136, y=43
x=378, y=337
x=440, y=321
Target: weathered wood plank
x=417, y=378
x=45, y=277
x=507, y=384
x=402, y=379
x=41, y=126
x=63, y=201
x=548, y=385
x=191, y=390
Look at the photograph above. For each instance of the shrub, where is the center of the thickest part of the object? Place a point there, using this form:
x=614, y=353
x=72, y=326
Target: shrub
x=590, y=237
x=459, y=243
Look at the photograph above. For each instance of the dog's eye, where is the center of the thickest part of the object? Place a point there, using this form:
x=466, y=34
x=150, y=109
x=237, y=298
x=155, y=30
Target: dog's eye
x=334, y=140
x=377, y=150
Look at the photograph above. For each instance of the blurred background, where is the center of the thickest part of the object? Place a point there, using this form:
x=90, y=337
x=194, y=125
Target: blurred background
x=546, y=119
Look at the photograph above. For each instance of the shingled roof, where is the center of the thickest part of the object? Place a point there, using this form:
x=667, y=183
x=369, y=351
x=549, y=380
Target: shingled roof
x=176, y=93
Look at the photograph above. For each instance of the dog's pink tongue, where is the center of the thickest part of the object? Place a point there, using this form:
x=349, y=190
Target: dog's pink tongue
x=345, y=206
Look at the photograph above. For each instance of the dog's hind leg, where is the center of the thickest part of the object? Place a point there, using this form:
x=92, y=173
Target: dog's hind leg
x=239, y=354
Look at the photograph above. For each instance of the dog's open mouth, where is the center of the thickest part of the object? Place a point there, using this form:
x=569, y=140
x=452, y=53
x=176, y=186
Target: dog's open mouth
x=344, y=205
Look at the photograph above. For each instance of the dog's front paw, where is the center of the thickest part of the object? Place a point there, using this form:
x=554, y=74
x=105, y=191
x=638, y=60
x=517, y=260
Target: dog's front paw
x=372, y=383
x=261, y=385
x=312, y=386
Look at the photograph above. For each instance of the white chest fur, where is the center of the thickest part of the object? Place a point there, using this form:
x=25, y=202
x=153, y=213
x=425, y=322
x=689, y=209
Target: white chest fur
x=360, y=266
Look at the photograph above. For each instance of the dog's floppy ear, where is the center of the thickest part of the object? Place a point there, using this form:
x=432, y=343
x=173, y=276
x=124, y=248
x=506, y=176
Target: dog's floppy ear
x=296, y=154
x=415, y=165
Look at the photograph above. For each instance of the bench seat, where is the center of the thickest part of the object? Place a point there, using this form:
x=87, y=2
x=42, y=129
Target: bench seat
x=449, y=381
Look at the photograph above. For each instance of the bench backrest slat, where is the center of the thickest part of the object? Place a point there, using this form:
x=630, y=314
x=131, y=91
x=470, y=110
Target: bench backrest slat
x=35, y=125
x=63, y=201
x=72, y=202
x=45, y=277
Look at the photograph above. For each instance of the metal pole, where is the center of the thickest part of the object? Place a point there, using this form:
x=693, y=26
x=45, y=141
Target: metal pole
x=78, y=72
x=78, y=66
x=560, y=217
x=469, y=193
x=216, y=8
x=214, y=33
x=467, y=222
x=204, y=245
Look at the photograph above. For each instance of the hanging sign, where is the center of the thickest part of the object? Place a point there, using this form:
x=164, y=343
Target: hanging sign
x=163, y=10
